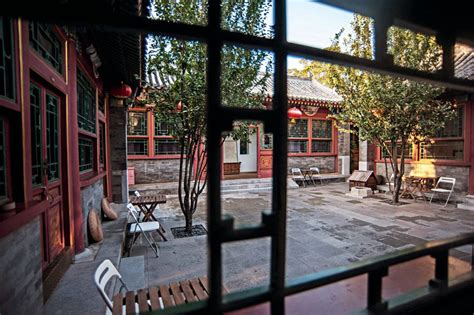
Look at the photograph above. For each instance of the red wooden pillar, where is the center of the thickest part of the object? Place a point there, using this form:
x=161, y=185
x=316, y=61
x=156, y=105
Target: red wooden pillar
x=75, y=206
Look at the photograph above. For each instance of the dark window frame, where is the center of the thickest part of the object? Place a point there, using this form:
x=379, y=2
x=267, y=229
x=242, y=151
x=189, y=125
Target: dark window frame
x=8, y=82
x=49, y=33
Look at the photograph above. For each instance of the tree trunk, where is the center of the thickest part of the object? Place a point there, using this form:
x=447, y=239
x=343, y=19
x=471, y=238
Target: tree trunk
x=396, y=174
x=188, y=216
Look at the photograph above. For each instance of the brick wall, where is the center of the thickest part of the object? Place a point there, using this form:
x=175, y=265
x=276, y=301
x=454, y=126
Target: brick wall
x=21, y=288
x=460, y=173
x=326, y=164
x=155, y=171
x=91, y=197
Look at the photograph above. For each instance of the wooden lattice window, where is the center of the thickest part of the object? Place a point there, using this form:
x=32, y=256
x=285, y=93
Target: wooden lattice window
x=448, y=143
x=137, y=124
x=86, y=154
x=102, y=144
x=36, y=147
x=298, y=134
x=86, y=106
x=137, y=146
x=44, y=40
x=321, y=136
x=52, y=136
x=7, y=63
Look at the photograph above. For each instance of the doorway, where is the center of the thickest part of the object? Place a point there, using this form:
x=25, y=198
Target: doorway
x=247, y=154
x=46, y=110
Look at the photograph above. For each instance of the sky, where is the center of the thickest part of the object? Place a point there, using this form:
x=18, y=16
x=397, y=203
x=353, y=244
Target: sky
x=313, y=24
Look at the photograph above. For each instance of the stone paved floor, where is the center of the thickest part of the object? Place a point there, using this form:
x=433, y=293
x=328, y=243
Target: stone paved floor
x=325, y=229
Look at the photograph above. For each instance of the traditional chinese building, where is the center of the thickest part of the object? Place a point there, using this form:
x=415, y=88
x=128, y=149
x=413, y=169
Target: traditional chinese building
x=451, y=152
x=56, y=119
x=314, y=140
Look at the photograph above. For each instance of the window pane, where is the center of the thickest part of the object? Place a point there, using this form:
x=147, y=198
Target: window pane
x=52, y=136
x=322, y=129
x=102, y=104
x=454, y=127
x=298, y=129
x=102, y=143
x=85, y=103
x=442, y=150
x=3, y=161
x=137, y=146
x=408, y=151
x=162, y=128
x=86, y=154
x=244, y=147
x=46, y=43
x=167, y=146
x=35, y=121
x=7, y=68
x=267, y=141
x=297, y=146
x=321, y=146
x=137, y=124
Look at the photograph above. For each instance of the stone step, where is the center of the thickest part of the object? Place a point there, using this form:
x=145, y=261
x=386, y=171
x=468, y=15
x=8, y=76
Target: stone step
x=465, y=206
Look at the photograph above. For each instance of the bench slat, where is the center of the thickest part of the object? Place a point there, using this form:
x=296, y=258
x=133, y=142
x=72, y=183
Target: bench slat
x=117, y=304
x=188, y=292
x=177, y=295
x=198, y=289
x=143, y=300
x=166, y=296
x=154, y=298
x=130, y=302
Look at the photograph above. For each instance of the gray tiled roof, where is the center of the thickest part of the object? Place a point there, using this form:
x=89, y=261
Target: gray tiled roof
x=306, y=90
x=298, y=88
x=464, y=62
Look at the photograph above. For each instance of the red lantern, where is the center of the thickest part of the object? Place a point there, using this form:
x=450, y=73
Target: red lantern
x=121, y=92
x=179, y=107
x=294, y=113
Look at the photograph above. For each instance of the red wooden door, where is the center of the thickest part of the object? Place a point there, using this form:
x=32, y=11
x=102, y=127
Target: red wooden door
x=46, y=139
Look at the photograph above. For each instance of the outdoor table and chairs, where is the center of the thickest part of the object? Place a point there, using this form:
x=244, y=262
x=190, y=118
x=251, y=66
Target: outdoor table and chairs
x=306, y=175
x=147, y=205
x=415, y=187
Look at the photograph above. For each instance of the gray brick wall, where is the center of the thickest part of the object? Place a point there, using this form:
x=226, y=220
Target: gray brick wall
x=155, y=171
x=91, y=197
x=118, y=148
x=326, y=164
x=460, y=173
x=21, y=288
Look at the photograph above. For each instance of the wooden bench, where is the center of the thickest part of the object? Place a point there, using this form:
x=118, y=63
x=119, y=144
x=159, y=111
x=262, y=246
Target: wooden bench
x=162, y=296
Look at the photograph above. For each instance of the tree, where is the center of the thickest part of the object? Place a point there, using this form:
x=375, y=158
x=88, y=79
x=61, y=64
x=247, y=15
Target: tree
x=391, y=112
x=183, y=66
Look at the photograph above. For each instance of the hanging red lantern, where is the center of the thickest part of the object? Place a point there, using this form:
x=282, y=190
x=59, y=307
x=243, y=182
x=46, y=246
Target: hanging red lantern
x=121, y=92
x=294, y=113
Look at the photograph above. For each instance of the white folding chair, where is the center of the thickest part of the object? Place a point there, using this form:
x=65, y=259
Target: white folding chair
x=297, y=175
x=136, y=193
x=102, y=276
x=142, y=227
x=314, y=173
x=448, y=182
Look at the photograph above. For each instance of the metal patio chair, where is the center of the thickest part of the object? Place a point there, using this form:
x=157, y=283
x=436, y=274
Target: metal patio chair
x=315, y=174
x=144, y=228
x=297, y=175
x=103, y=274
x=449, y=182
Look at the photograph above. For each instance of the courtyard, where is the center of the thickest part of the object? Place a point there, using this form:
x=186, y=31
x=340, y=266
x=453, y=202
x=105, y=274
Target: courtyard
x=325, y=229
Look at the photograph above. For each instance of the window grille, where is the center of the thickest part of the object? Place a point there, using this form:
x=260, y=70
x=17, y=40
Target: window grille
x=36, y=147
x=7, y=61
x=52, y=136
x=86, y=113
x=86, y=154
x=47, y=44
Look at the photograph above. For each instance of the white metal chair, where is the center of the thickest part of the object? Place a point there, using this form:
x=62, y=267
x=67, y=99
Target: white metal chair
x=297, y=175
x=314, y=173
x=136, y=193
x=102, y=276
x=142, y=227
x=448, y=182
